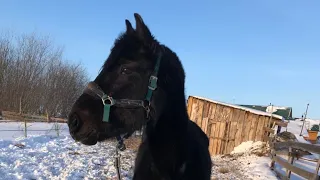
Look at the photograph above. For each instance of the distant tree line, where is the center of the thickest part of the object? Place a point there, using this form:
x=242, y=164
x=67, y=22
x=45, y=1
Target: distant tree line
x=35, y=78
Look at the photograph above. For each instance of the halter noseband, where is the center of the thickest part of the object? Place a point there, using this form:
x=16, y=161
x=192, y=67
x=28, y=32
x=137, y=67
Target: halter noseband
x=108, y=101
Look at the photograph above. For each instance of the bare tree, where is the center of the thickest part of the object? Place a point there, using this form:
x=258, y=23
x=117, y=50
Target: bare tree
x=34, y=78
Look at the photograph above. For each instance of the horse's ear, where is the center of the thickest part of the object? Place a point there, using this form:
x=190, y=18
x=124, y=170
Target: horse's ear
x=141, y=29
x=129, y=27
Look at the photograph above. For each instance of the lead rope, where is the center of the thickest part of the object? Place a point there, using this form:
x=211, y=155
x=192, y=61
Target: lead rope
x=117, y=163
x=120, y=146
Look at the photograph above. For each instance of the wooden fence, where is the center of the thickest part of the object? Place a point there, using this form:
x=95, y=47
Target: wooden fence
x=8, y=115
x=291, y=150
x=292, y=153
x=228, y=125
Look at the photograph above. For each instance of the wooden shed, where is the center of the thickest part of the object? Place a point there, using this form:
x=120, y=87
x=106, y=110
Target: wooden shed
x=229, y=125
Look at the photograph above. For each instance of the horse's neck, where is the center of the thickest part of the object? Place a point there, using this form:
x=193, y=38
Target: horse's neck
x=167, y=140
x=170, y=127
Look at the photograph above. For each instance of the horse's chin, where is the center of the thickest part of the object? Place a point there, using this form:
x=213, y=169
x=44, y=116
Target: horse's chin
x=106, y=132
x=89, y=141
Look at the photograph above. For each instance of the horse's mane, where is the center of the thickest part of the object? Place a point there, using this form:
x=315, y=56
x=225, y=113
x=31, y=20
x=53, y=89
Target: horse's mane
x=171, y=72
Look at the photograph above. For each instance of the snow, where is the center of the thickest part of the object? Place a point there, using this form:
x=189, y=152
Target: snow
x=248, y=147
x=294, y=126
x=273, y=109
x=256, y=167
x=245, y=163
x=48, y=157
x=241, y=107
x=10, y=130
x=44, y=155
x=303, y=164
x=243, y=167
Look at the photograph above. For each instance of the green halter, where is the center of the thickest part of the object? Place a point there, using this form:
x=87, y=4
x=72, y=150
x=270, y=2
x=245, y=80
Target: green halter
x=108, y=101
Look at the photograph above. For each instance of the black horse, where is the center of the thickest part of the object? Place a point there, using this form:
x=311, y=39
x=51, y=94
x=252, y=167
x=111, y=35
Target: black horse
x=142, y=83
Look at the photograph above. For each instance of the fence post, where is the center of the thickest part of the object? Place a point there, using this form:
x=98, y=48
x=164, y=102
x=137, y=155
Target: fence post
x=273, y=154
x=57, y=128
x=20, y=105
x=316, y=176
x=25, y=127
x=272, y=160
x=290, y=160
x=268, y=125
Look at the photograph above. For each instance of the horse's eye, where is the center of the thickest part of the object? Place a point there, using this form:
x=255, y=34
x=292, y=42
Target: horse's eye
x=125, y=70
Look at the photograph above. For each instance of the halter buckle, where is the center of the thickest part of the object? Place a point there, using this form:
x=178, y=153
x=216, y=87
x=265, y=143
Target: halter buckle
x=153, y=82
x=147, y=108
x=106, y=98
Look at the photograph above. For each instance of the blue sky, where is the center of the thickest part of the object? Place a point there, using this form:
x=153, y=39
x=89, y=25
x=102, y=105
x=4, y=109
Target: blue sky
x=247, y=52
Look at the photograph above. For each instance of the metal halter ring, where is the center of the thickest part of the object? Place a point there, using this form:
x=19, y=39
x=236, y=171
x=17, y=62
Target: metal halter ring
x=106, y=98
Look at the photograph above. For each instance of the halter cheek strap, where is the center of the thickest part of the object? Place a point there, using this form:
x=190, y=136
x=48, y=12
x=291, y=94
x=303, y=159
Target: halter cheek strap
x=108, y=101
x=153, y=80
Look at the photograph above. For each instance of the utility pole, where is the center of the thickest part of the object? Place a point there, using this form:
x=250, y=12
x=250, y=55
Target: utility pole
x=304, y=119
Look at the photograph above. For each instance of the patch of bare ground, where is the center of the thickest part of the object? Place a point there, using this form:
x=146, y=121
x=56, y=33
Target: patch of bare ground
x=226, y=167
x=133, y=143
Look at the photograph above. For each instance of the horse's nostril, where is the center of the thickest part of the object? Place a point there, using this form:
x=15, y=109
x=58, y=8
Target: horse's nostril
x=74, y=123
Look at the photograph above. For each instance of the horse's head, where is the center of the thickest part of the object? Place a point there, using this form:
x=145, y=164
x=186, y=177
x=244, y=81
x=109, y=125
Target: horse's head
x=127, y=92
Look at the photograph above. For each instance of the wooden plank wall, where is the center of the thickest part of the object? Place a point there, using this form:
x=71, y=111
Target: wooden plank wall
x=226, y=127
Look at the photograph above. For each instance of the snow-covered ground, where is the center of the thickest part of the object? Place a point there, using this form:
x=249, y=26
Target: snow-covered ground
x=243, y=163
x=11, y=130
x=44, y=155
x=295, y=128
